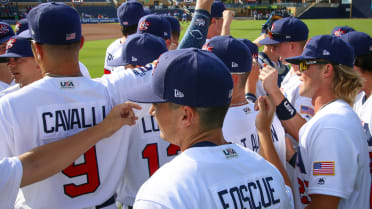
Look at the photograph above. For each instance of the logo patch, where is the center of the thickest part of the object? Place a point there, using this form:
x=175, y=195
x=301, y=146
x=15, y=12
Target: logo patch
x=134, y=59
x=67, y=85
x=10, y=43
x=178, y=93
x=4, y=29
x=199, y=22
x=307, y=110
x=234, y=64
x=144, y=25
x=125, y=23
x=321, y=181
x=326, y=52
x=230, y=153
x=70, y=36
x=326, y=168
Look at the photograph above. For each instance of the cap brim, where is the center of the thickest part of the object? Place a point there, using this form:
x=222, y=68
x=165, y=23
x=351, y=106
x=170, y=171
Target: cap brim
x=25, y=34
x=268, y=41
x=144, y=94
x=10, y=55
x=296, y=60
x=117, y=62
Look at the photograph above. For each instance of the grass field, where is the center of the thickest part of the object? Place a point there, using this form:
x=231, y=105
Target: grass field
x=93, y=53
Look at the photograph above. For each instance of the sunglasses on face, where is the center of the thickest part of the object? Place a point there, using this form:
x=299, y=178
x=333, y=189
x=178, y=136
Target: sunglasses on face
x=304, y=65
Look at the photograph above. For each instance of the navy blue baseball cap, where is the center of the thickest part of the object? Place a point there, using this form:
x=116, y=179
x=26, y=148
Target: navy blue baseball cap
x=140, y=49
x=361, y=42
x=17, y=47
x=174, y=23
x=21, y=26
x=156, y=25
x=234, y=53
x=340, y=30
x=326, y=47
x=5, y=32
x=286, y=30
x=252, y=47
x=54, y=23
x=191, y=77
x=217, y=9
x=129, y=13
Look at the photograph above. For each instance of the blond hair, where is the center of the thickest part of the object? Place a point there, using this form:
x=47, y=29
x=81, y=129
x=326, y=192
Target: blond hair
x=347, y=83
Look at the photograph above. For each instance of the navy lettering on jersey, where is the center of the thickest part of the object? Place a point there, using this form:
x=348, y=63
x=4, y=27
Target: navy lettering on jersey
x=245, y=195
x=110, y=57
x=274, y=135
x=149, y=124
x=141, y=71
x=299, y=162
x=69, y=119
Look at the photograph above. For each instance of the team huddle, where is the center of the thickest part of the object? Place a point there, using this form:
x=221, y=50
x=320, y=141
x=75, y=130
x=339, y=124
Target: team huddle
x=204, y=122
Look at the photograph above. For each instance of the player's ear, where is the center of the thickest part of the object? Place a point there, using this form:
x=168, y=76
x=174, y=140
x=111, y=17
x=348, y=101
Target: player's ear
x=37, y=50
x=327, y=70
x=187, y=116
x=82, y=41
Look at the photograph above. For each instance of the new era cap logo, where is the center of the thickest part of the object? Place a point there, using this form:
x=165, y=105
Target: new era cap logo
x=234, y=64
x=326, y=52
x=178, y=93
x=134, y=59
x=70, y=36
x=125, y=23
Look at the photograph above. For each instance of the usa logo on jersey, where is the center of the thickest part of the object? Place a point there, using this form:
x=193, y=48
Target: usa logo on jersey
x=144, y=25
x=230, y=153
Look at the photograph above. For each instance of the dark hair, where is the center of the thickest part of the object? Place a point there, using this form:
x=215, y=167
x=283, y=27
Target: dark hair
x=128, y=30
x=364, y=62
x=210, y=117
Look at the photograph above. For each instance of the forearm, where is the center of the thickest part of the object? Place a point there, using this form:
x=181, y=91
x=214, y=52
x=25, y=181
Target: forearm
x=292, y=125
x=37, y=163
x=267, y=151
x=197, y=31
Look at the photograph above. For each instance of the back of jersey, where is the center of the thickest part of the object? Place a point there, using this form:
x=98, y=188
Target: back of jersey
x=147, y=152
x=226, y=176
x=52, y=109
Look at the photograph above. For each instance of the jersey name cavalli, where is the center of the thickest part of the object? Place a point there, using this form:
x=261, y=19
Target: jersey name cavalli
x=71, y=118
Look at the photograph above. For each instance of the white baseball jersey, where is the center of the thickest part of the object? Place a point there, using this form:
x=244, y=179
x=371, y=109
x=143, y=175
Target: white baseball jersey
x=10, y=181
x=9, y=90
x=112, y=51
x=84, y=70
x=54, y=108
x=239, y=127
x=302, y=104
x=147, y=152
x=4, y=86
x=225, y=176
x=333, y=158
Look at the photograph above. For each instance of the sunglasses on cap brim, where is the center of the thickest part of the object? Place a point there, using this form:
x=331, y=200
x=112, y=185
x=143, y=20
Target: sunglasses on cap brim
x=304, y=65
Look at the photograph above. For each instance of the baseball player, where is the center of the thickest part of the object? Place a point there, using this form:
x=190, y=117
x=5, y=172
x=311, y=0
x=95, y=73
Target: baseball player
x=156, y=25
x=21, y=26
x=6, y=78
x=332, y=165
x=288, y=36
x=215, y=27
x=176, y=29
x=44, y=161
x=340, y=30
x=191, y=91
x=362, y=44
x=129, y=13
x=239, y=126
x=21, y=63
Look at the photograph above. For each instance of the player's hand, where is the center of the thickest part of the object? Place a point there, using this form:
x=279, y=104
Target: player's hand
x=269, y=78
x=265, y=115
x=228, y=16
x=119, y=116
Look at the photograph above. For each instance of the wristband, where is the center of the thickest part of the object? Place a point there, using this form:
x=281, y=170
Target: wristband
x=292, y=161
x=285, y=110
x=250, y=97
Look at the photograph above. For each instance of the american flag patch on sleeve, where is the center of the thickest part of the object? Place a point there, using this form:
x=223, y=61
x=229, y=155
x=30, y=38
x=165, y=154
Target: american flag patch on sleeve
x=307, y=110
x=324, y=168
